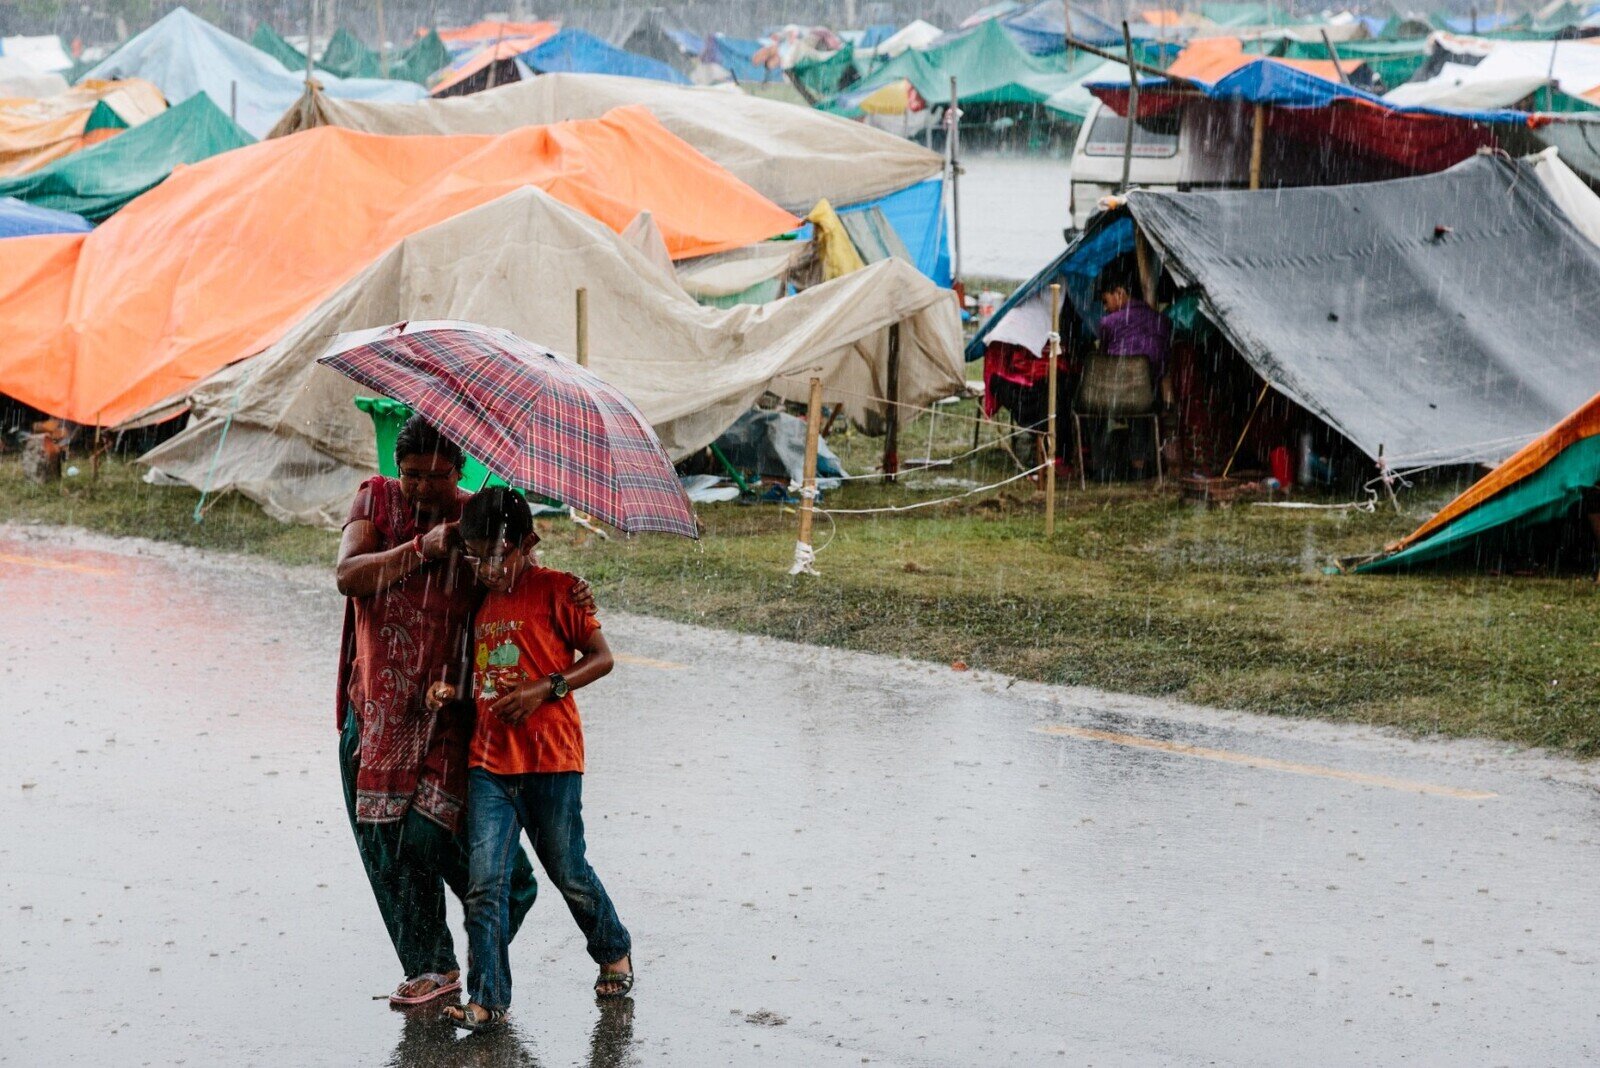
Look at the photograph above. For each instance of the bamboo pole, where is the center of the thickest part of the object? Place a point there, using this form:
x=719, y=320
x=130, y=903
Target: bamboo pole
x=1234, y=455
x=1133, y=110
x=1333, y=54
x=808, y=491
x=583, y=326
x=891, y=437
x=1257, y=133
x=311, y=40
x=953, y=149
x=383, y=44
x=1050, y=420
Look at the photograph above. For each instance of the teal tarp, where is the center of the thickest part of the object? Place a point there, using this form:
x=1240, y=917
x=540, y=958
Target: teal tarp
x=347, y=57
x=99, y=180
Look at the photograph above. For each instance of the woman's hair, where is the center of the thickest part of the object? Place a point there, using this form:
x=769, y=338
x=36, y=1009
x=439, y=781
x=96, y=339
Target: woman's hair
x=496, y=514
x=419, y=438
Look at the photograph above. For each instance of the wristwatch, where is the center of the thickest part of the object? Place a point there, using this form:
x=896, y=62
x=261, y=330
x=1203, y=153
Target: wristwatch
x=558, y=687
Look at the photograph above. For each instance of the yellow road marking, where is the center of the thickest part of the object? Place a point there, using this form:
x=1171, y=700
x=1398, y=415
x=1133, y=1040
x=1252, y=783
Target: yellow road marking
x=54, y=565
x=1227, y=757
x=645, y=661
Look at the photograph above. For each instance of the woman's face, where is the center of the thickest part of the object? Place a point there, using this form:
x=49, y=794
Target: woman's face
x=427, y=481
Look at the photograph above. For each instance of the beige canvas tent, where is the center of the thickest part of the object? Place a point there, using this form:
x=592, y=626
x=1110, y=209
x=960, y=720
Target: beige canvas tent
x=793, y=155
x=284, y=431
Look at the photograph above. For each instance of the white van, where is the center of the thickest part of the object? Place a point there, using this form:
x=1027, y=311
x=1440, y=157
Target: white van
x=1169, y=154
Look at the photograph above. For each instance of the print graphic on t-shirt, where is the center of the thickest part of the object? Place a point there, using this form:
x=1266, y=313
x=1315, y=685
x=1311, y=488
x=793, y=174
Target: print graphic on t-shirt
x=496, y=667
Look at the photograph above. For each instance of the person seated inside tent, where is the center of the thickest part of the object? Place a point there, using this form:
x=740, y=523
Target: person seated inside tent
x=1130, y=329
x=1016, y=370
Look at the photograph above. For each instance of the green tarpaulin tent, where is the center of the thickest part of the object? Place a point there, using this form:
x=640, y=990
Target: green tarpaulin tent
x=1545, y=482
x=99, y=180
x=347, y=57
x=825, y=76
x=1393, y=61
x=990, y=68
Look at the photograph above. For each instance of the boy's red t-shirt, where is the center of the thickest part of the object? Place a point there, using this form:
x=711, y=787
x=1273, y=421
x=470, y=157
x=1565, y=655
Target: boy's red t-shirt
x=527, y=633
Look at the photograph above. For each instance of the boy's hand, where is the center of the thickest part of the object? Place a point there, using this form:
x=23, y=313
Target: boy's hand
x=437, y=543
x=515, y=706
x=439, y=695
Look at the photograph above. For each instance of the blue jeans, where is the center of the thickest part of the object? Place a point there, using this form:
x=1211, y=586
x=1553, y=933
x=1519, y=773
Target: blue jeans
x=550, y=808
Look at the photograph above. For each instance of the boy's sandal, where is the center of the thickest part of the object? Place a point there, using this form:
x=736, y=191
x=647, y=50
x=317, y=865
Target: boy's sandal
x=441, y=987
x=469, y=1020
x=624, y=979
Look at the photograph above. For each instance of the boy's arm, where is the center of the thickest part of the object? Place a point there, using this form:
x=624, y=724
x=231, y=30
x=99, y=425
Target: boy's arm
x=596, y=664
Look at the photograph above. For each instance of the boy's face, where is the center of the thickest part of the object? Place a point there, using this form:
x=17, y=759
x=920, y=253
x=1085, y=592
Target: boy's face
x=496, y=563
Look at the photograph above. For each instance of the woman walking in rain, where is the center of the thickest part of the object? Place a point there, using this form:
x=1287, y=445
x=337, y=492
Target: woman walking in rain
x=404, y=768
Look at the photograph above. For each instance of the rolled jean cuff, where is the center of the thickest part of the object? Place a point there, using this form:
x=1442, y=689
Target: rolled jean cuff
x=604, y=955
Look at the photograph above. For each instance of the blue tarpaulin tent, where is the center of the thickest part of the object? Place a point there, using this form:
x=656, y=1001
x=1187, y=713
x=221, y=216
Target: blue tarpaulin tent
x=18, y=219
x=183, y=54
x=577, y=52
x=737, y=54
x=917, y=215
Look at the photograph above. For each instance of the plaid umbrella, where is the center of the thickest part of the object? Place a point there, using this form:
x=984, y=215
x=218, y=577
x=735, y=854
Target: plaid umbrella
x=536, y=419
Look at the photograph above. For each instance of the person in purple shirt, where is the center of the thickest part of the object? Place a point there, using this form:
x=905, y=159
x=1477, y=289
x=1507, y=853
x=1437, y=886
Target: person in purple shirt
x=1130, y=327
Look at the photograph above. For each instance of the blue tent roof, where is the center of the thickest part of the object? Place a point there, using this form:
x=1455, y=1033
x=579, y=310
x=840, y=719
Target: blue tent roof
x=1266, y=82
x=737, y=54
x=917, y=215
x=18, y=219
x=577, y=52
x=1041, y=28
x=183, y=54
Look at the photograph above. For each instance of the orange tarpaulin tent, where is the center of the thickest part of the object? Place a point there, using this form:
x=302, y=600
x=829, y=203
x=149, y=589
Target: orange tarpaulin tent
x=486, y=32
x=473, y=62
x=35, y=132
x=1210, y=59
x=221, y=259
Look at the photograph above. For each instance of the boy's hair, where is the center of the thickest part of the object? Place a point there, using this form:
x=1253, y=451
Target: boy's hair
x=496, y=514
x=419, y=438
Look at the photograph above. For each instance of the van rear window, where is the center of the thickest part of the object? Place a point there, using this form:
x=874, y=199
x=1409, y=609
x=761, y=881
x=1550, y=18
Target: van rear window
x=1155, y=137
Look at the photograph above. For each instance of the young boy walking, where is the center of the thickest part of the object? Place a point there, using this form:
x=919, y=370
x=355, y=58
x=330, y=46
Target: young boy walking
x=526, y=756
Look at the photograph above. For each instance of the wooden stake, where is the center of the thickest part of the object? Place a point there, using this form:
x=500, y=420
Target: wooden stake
x=583, y=326
x=1050, y=420
x=808, y=494
x=1257, y=131
x=891, y=437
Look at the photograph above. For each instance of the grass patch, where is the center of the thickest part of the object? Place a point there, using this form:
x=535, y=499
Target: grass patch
x=1138, y=593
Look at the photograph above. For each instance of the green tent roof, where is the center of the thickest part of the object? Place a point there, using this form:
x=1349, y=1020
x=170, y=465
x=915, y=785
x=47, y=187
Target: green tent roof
x=1393, y=61
x=99, y=180
x=347, y=57
x=821, y=76
x=989, y=67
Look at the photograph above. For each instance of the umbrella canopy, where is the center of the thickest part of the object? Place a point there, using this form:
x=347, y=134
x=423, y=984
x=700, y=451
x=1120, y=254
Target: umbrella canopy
x=534, y=418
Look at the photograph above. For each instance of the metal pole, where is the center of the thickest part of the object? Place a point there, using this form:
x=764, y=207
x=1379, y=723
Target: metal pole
x=953, y=144
x=891, y=437
x=1050, y=420
x=311, y=39
x=1333, y=54
x=233, y=102
x=1066, y=6
x=583, y=326
x=808, y=494
x=383, y=44
x=494, y=56
x=1133, y=109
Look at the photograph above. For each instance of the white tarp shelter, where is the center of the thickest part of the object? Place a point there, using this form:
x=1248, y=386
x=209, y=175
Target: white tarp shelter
x=284, y=431
x=42, y=53
x=792, y=155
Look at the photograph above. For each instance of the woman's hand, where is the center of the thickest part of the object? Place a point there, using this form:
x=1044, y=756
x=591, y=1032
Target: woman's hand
x=438, y=542
x=439, y=695
x=582, y=596
x=515, y=706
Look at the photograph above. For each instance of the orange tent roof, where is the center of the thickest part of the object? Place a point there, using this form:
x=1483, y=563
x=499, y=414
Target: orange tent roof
x=220, y=260
x=1162, y=17
x=473, y=62
x=1583, y=423
x=1210, y=59
x=488, y=31
x=35, y=132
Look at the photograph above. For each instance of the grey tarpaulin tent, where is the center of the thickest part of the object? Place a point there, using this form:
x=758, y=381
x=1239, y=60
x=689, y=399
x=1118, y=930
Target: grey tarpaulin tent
x=1448, y=318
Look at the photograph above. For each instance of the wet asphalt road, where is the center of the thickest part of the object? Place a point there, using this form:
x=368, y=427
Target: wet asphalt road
x=824, y=859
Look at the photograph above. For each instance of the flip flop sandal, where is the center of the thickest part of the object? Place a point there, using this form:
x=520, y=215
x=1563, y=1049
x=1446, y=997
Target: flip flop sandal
x=442, y=988
x=624, y=978
x=468, y=1020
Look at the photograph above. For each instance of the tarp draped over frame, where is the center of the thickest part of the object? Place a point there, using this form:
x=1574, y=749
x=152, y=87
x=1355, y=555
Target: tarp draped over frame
x=347, y=57
x=793, y=156
x=296, y=443
x=1444, y=319
x=18, y=80
x=576, y=52
x=18, y=219
x=34, y=132
x=1544, y=481
x=214, y=264
x=99, y=180
x=184, y=55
